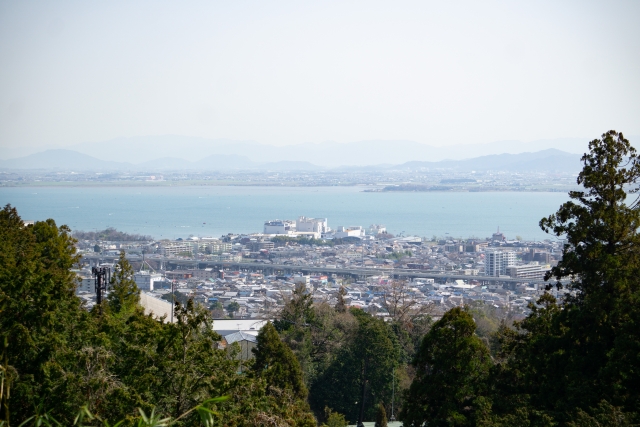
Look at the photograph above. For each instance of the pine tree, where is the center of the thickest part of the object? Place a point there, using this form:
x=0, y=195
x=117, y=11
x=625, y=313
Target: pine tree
x=276, y=363
x=124, y=294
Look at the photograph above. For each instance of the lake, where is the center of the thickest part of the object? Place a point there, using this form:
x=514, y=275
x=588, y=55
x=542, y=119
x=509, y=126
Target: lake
x=180, y=211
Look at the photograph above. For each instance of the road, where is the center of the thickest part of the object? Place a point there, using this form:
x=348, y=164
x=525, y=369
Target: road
x=353, y=271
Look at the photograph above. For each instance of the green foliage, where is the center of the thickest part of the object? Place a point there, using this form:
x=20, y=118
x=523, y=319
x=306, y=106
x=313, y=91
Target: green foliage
x=233, y=307
x=124, y=294
x=361, y=369
x=275, y=362
x=36, y=297
x=381, y=416
x=341, y=305
x=451, y=368
x=397, y=255
x=57, y=357
x=334, y=419
x=569, y=356
x=110, y=234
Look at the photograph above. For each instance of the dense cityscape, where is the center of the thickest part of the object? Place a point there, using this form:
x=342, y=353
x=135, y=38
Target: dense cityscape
x=250, y=276
x=320, y=214
x=371, y=179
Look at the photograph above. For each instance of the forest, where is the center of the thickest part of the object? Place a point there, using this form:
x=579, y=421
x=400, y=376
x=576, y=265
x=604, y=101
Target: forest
x=571, y=362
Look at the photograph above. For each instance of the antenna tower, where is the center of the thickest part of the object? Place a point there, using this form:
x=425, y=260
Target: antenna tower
x=102, y=277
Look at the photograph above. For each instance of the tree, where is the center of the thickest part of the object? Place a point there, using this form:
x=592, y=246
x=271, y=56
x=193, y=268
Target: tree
x=276, y=363
x=451, y=368
x=124, y=294
x=580, y=352
x=334, y=419
x=600, y=265
x=341, y=305
x=361, y=371
x=381, y=416
x=39, y=312
x=233, y=307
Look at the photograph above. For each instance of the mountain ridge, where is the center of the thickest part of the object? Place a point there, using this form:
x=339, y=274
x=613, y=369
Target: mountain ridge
x=548, y=160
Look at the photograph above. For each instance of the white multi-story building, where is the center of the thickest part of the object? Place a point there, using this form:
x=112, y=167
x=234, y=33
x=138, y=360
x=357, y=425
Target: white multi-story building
x=214, y=246
x=528, y=271
x=376, y=229
x=496, y=262
x=174, y=248
x=145, y=280
x=312, y=225
x=278, y=226
x=86, y=284
x=342, y=232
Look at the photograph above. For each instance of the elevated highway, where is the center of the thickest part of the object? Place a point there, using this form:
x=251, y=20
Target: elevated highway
x=397, y=273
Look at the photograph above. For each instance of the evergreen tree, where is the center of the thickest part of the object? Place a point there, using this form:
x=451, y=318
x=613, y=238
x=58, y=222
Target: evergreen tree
x=276, y=363
x=361, y=371
x=124, y=294
x=581, y=352
x=381, y=416
x=451, y=368
x=40, y=316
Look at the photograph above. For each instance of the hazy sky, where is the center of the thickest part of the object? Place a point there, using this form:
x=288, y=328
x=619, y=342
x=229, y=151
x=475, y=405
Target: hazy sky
x=288, y=72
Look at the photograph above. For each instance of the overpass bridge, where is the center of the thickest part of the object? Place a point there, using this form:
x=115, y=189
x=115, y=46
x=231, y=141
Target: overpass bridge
x=356, y=272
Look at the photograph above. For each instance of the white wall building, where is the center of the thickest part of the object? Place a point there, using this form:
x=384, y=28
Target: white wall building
x=312, y=225
x=145, y=280
x=278, y=226
x=86, y=284
x=342, y=232
x=376, y=229
x=496, y=262
x=528, y=271
x=178, y=247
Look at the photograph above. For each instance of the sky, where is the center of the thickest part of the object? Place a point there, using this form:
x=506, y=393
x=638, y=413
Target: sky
x=289, y=72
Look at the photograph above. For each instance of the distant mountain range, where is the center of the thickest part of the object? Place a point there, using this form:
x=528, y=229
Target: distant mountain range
x=328, y=154
x=176, y=152
x=549, y=160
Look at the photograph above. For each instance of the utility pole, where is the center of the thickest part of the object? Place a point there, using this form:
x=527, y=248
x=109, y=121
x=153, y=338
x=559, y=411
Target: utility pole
x=364, y=391
x=173, y=298
x=393, y=394
x=102, y=277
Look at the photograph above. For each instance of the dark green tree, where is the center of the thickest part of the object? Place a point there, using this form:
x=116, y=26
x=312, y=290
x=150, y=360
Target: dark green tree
x=360, y=373
x=451, y=369
x=381, y=416
x=600, y=265
x=581, y=352
x=124, y=294
x=40, y=317
x=276, y=363
x=233, y=307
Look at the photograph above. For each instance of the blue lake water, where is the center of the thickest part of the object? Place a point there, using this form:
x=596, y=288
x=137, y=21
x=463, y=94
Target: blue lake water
x=171, y=212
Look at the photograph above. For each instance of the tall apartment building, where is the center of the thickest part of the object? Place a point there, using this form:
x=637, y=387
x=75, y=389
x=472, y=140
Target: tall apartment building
x=312, y=225
x=496, y=262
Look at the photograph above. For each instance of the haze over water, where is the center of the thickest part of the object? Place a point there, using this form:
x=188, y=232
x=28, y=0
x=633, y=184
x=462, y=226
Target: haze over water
x=172, y=212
